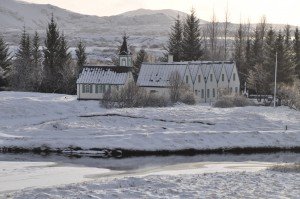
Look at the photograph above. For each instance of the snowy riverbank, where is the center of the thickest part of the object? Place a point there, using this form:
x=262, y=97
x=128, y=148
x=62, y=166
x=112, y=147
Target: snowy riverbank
x=30, y=120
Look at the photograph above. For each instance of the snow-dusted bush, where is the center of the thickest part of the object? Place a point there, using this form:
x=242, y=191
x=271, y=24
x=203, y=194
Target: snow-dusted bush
x=153, y=100
x=286, y=168
x=228, y=101
x=132, y=95
x=188, y=98
x=290, y=95
x=179, y=91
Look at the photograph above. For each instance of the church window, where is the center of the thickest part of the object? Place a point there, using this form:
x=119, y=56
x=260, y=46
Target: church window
x=223, y=77
x=208, y=93
x=187, y=79
x=202, y=93
x=214, y=93
x=199, y=78
x=233, y=76
x=123, y=62
x=236, y=89
x=211, y=77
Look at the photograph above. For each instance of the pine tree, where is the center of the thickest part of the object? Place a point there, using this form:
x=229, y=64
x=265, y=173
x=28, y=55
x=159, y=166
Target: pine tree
x=5, y=62
x=286, y=71
x=66, y=70
x=175, y=40
x=141, y=57
x=270, y=53
x=22, y=66
x=191, y=44
x=36, y=62
x=81, y=57
x=239, y=54
x=296, y=46
x=53, y=70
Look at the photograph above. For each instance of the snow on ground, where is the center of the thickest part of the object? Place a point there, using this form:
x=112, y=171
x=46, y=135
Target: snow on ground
x=20, y=175
x=261, y=184
x=34, y=120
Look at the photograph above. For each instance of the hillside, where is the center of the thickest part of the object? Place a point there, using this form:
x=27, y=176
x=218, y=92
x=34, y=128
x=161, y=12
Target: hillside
x=143, y=25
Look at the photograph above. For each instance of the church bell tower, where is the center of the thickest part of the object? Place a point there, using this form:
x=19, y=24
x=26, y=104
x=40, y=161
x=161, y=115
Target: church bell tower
x=125, y=57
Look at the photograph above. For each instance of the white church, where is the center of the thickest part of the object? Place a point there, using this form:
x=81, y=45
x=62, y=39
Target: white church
x=205, y=78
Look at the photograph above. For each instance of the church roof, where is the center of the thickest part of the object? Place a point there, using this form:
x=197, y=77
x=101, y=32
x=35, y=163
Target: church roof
x=114, y=75
x=158, y=75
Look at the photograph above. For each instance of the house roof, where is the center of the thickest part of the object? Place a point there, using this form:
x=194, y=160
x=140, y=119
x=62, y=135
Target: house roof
x=104, y=75
x=158, y=75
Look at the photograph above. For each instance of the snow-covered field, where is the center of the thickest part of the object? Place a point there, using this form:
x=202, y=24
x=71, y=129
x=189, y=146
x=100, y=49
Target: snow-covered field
x=261, y=184
x=50, y=120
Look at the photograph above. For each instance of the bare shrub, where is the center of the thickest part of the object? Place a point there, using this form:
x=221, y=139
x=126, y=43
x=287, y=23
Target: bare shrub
x=228, y=101
x=290, y=95
x=179, y=91
x=132, y=95
x=188, y=98
x=154, y=100
x=286, y=168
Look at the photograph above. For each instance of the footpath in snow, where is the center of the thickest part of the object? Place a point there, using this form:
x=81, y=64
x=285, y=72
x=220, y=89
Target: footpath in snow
x=59, y=122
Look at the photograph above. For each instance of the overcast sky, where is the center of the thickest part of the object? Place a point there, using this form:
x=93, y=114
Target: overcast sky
x=276, y=11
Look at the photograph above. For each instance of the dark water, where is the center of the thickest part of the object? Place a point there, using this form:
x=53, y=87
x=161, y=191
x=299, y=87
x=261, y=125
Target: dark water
x=142, y=162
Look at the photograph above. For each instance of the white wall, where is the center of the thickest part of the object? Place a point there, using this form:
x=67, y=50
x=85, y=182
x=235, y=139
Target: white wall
x=234, y=84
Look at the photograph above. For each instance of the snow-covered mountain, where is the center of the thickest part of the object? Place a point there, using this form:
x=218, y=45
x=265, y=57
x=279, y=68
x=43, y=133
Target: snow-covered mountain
x=143, y=24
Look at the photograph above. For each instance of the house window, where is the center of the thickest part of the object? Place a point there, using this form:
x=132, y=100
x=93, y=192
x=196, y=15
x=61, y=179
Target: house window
x=211, y=77
x=223, y=78
x=100, y=88
x=233, y=76
x=117, y=87
x=199, y=78
x=153, y=91
x=236, y=89
x=109, y=88
x=214, y=93
x=87, y=88
x=83, y=88
x=187, y=79
x=202, y=93
x=208, y=93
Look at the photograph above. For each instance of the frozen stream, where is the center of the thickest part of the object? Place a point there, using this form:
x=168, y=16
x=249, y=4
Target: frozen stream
x=21, y=171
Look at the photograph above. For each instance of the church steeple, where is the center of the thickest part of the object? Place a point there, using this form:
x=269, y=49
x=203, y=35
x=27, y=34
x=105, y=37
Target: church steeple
x=125, y=57
x=124, y=49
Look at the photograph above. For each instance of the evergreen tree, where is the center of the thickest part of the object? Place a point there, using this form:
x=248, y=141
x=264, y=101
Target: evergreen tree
x=36, y=62
x=81, y=57
x=191, y=44
x=296, y=46
x=257, y=49
x=53, y=70
x=289, y=53
x=286, y=71
x=175, y=40
x=22, y=66
x=239, y=55
x=66, y=70
x=141, y=57
x=5, y=62
x=270, y=53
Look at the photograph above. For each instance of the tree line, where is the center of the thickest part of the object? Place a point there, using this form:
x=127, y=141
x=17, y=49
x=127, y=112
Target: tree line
x=255, y=55
x=253, y=49
x=43, y=69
